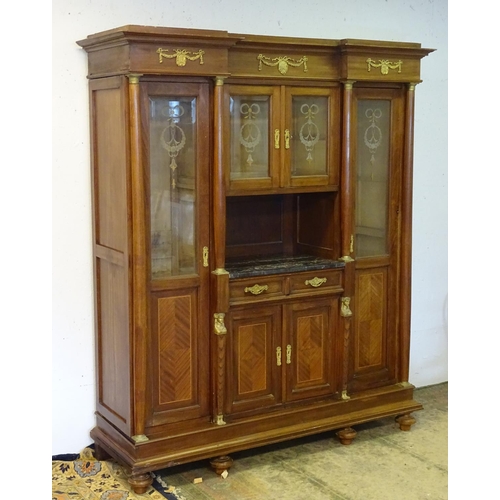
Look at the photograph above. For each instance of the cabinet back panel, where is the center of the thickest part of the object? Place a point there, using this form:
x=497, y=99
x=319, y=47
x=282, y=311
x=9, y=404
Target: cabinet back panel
x=297, y=224
x=255, y=226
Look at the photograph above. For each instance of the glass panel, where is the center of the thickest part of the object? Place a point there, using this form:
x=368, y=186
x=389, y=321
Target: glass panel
x=172, y=183
x=308, y=135
x=372, y=177
x=249, y=137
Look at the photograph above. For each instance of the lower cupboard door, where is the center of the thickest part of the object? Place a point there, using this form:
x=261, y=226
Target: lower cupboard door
x=178, y=362
x=313, y=352
x=254, y=359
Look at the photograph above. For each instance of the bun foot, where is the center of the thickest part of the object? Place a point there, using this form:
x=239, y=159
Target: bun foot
x=405, y=422
x=140, y=482
x=221, y=464
x=346, y=435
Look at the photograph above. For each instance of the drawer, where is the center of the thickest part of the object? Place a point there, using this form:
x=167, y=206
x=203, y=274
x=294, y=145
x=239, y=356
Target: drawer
x=261, y=287
x=320, y=280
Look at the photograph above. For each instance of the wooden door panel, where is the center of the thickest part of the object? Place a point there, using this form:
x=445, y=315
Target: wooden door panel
x=254, y=377
x=175, y=345
x=311, y=331
x=370, y=321
x=312, y=354
x=179, y=384
x=373, y=342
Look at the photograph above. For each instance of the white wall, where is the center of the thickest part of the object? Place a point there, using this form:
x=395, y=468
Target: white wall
x=423, y=21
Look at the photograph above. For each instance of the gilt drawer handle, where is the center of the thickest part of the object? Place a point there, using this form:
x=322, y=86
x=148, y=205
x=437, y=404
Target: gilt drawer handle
x=315, y=282
x=288, y=354
x=256, y=289
x=278, y=356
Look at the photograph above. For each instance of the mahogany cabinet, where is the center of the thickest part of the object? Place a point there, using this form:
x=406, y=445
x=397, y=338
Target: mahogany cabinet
x=252, y=207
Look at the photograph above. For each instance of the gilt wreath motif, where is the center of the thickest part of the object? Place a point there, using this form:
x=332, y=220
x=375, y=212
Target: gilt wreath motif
x=250, y=135
x=309, y=132
x=373, y=134
x=173, y=138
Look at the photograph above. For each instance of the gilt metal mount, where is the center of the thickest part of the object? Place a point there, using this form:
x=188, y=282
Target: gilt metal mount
x=181, y=56
x=282, y=62
x=384, y=65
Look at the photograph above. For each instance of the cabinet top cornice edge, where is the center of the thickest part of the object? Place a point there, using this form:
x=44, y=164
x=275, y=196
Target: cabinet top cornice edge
x=125, y=34
x=155, y=34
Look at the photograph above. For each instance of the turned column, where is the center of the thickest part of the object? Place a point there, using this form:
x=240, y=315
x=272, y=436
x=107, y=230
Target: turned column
x=139, y=264
x=220, y=275
x=347, y=233
x=406, y=235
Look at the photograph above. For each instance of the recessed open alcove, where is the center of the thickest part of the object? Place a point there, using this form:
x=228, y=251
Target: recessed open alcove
x=286, y=225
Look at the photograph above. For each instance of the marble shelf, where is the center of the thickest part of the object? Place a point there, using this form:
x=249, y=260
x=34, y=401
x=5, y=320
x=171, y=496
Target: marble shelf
x=279, y=265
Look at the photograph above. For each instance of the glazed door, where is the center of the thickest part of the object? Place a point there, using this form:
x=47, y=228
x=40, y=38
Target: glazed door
x=253, y=133
x=310, y=137
x=313, y=349
x=175, y=120
x=378, y=154
x=281, y=137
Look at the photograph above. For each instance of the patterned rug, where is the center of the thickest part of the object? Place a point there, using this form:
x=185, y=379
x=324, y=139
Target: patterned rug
x=82, y=477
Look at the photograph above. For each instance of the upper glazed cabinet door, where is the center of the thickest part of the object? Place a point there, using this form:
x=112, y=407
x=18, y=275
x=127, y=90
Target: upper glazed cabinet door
x=310, y=137
x=178, y=179
x=253, y=137
x=378, y=157
x=282, y=137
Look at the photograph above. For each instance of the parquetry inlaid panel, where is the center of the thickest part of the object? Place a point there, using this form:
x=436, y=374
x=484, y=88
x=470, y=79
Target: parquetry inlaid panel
x=252, y=353
x=370, y=318
x=310, y=348
x=175, y=347
x=254, y=369
x=309, y=351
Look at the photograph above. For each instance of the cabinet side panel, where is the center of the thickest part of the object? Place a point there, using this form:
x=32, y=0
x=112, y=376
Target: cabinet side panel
x=113, y=344
x=109, y=168
x=316, y=224
x=109, y=183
